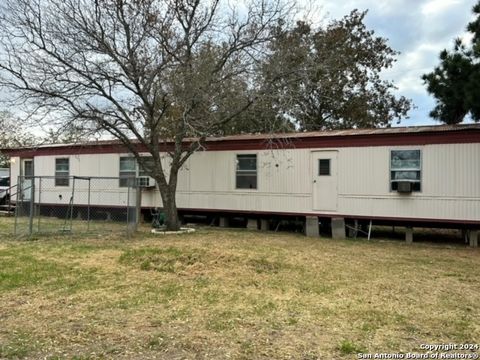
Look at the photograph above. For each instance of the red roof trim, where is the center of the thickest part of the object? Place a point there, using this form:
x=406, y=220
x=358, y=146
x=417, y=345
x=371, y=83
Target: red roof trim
x=463, y=135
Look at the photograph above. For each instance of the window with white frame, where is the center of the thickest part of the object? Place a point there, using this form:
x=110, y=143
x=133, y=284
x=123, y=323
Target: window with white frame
x=62, y=172
x=405, y=166
x=128, y=171
x=246, y=172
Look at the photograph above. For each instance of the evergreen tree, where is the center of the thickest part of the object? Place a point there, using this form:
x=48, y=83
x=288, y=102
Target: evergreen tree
x=455, y=83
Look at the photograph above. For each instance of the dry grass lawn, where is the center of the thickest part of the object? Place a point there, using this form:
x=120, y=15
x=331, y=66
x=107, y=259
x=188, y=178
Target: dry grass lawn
x=232, y=294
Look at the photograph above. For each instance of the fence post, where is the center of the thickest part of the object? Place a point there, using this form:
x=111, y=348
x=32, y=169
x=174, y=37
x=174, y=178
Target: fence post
x=131, y=223
x=88, y=205
x=138, y=206
x=32, y=201
x=132, y=216
x=71, y=204
x=39, y=202
x=17, y=207
x=128, y=211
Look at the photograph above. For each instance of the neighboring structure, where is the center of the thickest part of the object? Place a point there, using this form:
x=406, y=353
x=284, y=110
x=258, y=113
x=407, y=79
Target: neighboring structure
x=4, y=185
x=411, y=176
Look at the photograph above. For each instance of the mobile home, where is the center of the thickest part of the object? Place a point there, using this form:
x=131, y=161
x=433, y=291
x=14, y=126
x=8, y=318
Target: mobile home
x=413, y=176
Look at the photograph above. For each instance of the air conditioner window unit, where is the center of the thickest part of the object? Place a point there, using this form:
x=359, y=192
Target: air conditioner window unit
x=404, y=187
x=145, y=182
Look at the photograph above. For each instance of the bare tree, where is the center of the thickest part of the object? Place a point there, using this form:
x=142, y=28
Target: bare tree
x=13, y=133
x=151, y=73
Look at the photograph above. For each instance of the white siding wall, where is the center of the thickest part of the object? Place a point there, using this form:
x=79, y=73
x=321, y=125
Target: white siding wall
x=450, y=181
x=212, y=182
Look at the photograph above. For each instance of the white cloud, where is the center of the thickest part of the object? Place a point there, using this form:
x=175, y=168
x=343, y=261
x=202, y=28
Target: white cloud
x=434, y=7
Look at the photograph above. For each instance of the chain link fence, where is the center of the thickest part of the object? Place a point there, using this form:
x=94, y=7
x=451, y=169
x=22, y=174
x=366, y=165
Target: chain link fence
x=75, y=205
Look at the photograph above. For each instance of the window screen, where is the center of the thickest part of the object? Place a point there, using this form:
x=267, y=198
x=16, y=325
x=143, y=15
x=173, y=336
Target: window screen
x=28, y=168
x=323, y=167
x=62, y=172
x=246, y=173
x=128, y=171
x=405, y=165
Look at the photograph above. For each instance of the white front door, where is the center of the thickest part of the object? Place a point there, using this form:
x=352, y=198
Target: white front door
x=325, y=180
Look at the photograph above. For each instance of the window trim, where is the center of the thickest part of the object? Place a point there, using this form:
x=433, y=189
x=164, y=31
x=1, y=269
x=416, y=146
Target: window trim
x=62, y=177
x=420, y=169
x=22, y=167
x=236, y=171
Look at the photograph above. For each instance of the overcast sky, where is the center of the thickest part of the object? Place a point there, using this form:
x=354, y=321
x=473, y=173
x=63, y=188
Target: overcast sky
x=419, y=29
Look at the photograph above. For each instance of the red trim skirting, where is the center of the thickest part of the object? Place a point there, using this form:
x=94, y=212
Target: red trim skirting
x=335, y=141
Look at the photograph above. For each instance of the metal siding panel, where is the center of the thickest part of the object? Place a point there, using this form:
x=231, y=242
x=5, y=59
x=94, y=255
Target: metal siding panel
x=44, y=165
x=184, y=177
x=202, y=171
x=413, y=208
x=363, y=171
x=224, y=162
x=452, y=170
x=285, y=172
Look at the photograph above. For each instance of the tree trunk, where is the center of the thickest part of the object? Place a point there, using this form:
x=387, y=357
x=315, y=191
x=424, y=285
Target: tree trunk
x=171, y=214
x=168, y=194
